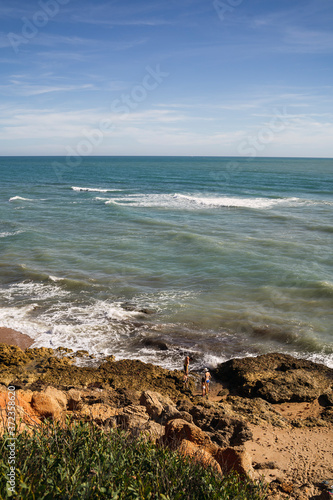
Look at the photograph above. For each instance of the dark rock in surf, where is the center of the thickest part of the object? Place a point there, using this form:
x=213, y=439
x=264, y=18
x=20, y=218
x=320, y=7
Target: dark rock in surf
x=277, y=378
x=154, y=344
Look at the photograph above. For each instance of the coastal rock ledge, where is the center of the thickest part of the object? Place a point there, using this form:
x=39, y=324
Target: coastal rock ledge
x=277, y=378
x=266, y=417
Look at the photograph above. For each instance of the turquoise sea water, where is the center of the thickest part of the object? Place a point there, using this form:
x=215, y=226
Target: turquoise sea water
x=152, y=257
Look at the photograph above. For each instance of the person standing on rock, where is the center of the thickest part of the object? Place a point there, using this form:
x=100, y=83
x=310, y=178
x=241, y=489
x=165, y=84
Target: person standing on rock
x=207, y=380
x=186, y=369
x=203, y=386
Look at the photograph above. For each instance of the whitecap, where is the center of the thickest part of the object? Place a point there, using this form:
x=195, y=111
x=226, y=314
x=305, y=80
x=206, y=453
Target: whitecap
x=36, y=291
x=55, y=278
x=5, y=234
x=19, y=198
x=92, y=190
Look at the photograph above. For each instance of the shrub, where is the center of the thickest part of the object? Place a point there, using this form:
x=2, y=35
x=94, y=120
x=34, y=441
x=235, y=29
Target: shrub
x=82, y=461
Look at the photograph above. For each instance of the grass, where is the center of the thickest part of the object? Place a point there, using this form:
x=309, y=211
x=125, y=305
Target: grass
x=82, y=461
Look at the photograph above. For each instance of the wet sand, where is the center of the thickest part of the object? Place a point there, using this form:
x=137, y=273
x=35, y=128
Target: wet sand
x=12, y=337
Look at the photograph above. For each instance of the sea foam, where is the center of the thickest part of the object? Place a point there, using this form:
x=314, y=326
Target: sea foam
x=191, y=202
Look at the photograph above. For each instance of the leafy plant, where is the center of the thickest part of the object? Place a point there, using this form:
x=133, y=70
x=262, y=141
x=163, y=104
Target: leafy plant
x=81, y=461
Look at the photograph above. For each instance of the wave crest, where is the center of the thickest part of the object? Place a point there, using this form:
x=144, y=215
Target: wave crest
x=19, y=198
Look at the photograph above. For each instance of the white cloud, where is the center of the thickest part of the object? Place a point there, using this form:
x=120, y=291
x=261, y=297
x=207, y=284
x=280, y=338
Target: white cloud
x=155, y=131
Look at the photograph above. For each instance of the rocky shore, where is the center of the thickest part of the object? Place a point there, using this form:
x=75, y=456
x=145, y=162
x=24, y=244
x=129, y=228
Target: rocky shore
x=267, y=417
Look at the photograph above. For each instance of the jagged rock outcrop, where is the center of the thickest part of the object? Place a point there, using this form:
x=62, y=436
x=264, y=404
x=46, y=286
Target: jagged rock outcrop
x=277, y=378
x=159, y=408
x=40, y=367
x=222, y=428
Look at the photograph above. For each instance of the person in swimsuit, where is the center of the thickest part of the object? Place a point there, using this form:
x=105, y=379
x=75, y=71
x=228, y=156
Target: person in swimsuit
x=186, y=369
x=203, y=386
x=207, y=380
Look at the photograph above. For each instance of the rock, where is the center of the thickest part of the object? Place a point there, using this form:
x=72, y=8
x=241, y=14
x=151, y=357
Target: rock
x=324, y=495
x=327, y=415
x=153, y=431
x=46, y=406
x=59, y=396
x=224, y=429
x=186, y=416
x=63, y=350
x=184, y=405
x=12, y=356
x=39, y=352
x=81, y=353
x=133, y=418
x=159, y=408
x=169, y=412
x=25, y=414
x=265, y=465
x=98, y=412
x=223, y=392
x=277, y=378
x=298, y=385
x=42, y=366
x=177, y=430
x=24, y=396
x=74, y=399
x=256, y=411
x=152, y=402
x=187, y=448
x=326, y=399
x=235, y=459
x=155, y=344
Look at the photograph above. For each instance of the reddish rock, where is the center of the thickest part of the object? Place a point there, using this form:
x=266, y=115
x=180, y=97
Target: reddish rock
x=98, y=412
x=59, y=396
x=178, y=429
x=195, y=452
x=46, y=406
x=235, y=459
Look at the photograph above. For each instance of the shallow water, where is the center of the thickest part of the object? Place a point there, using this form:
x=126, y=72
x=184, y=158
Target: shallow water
x=218, y=257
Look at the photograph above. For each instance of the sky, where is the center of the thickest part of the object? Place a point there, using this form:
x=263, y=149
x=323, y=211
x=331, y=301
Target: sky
x=174, y=77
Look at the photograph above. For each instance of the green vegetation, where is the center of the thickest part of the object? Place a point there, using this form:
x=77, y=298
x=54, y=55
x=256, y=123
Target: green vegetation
x=82, y=461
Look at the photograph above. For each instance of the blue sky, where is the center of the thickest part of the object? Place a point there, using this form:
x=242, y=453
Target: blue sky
x=186, y=77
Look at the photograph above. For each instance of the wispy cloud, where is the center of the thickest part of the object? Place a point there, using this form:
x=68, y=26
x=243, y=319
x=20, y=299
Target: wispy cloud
x=309, y=41
x=21, y=88
x=122, y=22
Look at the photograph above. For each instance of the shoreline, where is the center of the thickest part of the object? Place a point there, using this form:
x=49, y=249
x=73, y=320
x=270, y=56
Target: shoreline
x=16, y=338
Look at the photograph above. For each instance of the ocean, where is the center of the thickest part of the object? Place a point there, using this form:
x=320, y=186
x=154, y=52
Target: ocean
x=158, y=257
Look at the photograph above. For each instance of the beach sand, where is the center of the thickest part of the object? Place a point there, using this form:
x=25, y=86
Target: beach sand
x=12, y=337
